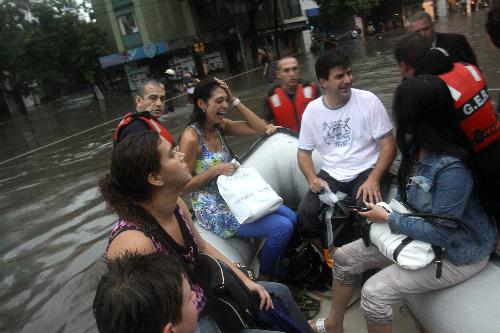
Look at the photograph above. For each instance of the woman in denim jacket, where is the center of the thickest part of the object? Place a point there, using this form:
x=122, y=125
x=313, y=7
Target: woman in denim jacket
x=435, y=177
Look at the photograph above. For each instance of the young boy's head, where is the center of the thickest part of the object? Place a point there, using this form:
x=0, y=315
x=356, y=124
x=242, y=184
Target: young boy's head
x=145, y=293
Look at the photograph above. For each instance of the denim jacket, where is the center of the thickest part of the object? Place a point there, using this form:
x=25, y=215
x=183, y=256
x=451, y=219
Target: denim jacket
x=443, y=185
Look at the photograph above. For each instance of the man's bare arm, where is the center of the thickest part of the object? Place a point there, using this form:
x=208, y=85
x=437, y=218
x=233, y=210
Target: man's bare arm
x=306, y=165
x=370, y=190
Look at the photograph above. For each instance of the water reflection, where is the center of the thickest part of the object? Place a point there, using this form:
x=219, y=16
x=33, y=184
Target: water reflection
x=53, y=224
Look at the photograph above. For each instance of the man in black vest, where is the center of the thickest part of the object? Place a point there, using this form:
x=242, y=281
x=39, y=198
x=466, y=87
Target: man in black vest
x=455, y=44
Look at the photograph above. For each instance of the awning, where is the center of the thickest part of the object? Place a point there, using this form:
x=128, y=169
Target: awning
x=301, y=25
x=149, y=50
x=312, y=12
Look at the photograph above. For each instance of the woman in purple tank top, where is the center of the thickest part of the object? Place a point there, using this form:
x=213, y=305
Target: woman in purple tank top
x=146, y=177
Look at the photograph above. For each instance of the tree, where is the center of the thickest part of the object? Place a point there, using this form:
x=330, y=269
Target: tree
x=334, y=9
x=12, y=20
x=45, y=43
x=60, y=50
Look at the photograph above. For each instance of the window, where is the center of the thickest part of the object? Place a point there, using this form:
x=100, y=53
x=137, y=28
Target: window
x=128, y=24
x=290, y=9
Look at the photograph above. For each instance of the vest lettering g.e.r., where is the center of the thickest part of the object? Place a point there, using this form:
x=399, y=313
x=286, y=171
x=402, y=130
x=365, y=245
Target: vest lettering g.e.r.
x=475, y=102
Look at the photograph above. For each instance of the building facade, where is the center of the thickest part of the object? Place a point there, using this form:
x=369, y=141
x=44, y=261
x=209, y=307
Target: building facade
x=200, y=36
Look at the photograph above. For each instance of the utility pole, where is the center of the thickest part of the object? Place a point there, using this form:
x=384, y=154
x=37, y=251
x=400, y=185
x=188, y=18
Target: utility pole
x=242, y=46
x=276, y=39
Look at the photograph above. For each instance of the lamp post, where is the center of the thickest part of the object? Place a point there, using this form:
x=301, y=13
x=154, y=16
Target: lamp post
x=242, y=46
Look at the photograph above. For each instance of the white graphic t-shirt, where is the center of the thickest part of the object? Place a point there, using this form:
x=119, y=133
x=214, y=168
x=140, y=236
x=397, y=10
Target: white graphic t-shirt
x=346, y=138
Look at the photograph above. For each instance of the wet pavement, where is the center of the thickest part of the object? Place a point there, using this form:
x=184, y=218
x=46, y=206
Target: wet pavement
x=54, y=226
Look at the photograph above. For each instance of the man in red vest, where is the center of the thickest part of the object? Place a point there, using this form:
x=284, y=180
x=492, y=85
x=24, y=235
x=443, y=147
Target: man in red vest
x=474, y=110
x=149, y=103
x=285, y=104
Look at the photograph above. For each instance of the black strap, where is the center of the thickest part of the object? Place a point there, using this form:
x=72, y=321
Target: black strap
x=438, y=251
x=434, y=218
x=400, y=247
x=153, y=228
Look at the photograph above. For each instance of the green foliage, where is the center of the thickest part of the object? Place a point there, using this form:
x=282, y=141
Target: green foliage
x=12, y=20
x=333, y=9
x=47, y=43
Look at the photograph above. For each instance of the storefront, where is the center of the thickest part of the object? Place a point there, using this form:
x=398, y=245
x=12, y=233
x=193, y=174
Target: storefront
x=152, y=59
x=290, y=39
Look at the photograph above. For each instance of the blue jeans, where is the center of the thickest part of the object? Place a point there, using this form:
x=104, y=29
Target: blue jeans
x=207, y=325
x=277, y=228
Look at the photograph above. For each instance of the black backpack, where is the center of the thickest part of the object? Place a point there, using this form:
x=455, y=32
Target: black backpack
x=342, y=225
x=229, y=302
x=304, y=266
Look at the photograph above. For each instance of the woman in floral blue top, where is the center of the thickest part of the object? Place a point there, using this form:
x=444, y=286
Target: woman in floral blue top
x=207, y=156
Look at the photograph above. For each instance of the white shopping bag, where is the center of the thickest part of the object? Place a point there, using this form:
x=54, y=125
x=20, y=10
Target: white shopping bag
x=406, y=252
x=248, y=195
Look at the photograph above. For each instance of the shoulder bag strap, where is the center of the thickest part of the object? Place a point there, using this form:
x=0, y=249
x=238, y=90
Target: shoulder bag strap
x=434, y=218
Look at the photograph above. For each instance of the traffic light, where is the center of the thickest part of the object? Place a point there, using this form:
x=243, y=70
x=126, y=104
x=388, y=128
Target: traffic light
x=199, y=47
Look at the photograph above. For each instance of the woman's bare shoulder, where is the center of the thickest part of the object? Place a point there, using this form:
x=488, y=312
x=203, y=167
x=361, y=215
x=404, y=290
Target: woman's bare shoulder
x=130, y=241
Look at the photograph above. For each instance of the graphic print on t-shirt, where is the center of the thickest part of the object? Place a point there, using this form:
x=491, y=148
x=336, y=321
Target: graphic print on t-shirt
x=337, y=133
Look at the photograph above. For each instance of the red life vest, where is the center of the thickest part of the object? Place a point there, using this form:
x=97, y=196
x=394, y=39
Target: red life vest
x=473, y=105
x=288, y=113
x=153, y=124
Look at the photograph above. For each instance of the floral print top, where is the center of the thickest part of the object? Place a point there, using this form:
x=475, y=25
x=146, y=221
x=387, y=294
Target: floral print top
x=163, y=243
x=210, y=209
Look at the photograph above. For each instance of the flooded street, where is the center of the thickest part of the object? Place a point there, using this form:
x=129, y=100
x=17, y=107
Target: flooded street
x=53, y=224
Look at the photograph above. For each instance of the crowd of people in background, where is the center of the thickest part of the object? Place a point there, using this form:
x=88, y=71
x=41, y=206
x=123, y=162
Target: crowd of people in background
x=446, y=131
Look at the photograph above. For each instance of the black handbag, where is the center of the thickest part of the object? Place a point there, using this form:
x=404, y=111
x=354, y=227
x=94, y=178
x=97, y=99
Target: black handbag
x=229, y=302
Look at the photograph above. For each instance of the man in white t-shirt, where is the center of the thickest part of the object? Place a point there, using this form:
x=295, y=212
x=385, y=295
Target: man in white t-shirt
x=352, y=132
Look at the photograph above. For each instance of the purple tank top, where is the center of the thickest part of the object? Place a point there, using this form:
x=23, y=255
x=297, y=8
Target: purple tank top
x=165, y=244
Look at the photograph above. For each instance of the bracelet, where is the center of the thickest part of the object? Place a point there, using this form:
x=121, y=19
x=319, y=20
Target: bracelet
x=236, y=102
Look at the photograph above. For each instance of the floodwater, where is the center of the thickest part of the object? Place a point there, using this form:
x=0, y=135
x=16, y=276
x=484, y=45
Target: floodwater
x=53, y=224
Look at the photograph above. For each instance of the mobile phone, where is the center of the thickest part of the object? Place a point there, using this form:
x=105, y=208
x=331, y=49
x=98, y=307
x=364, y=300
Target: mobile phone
x=362, y=208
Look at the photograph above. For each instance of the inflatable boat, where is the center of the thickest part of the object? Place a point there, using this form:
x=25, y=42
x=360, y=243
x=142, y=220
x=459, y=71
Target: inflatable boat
x=472, y=306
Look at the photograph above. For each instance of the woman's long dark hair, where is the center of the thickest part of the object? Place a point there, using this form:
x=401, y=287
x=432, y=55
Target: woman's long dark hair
x=425, y=118
x=127, y=185
x=203, y=90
